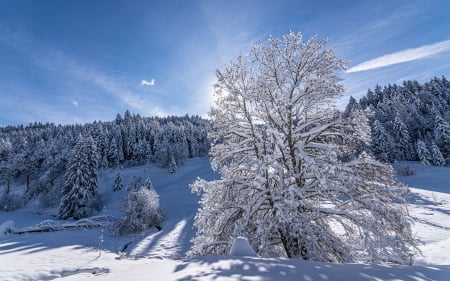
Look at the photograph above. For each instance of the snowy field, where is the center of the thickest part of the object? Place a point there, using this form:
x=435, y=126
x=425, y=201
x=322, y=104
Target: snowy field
x=93, y=254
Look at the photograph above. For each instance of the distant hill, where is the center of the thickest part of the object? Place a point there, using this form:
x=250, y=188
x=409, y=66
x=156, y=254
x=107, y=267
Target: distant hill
x=35, y=156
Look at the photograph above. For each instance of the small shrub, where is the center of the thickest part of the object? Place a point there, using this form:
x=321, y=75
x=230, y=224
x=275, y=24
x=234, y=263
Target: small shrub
x=141, y=211
x=406, y=171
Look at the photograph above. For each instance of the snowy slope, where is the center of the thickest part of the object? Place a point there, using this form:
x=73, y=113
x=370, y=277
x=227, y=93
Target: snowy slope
x=430, y=208
x=80, y=254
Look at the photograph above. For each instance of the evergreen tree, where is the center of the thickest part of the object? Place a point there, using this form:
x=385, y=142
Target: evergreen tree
x=148, y=183
x=113, y=153
x=402, y=139
x=382, y=142
x=173, y=165
x=79, y=195
x=423, y=152
x=442, y=133
x=351, y=106
x=118, y=185
x=436, y=155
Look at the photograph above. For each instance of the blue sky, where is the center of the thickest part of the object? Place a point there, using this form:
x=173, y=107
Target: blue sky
x=77, y=61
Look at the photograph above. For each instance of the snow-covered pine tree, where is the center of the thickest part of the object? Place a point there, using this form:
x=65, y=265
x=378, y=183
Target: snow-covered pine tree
x=113, y=153
x=79, y=195
x=282, y=185
x=173, y=165
x=148, y=183
x=442, y=133
x=423, y=152
x=382, y=142
x=402, y=139
x=118, y=185
x=436, y=155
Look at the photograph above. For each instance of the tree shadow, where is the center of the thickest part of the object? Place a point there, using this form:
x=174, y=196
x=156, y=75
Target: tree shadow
x=89, y=239
x=243, y=268
x=171, y=242
x=419, y=199
x=432, y=205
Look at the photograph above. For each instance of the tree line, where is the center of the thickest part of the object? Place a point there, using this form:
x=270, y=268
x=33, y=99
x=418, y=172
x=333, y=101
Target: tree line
x=36, y=156
x=408, y=121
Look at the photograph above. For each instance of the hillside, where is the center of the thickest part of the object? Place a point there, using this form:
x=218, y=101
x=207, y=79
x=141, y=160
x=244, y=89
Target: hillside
x=34, y=158
x=80, y=254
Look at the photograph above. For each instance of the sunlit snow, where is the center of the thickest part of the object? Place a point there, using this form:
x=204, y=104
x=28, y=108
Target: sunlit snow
x=153, y=255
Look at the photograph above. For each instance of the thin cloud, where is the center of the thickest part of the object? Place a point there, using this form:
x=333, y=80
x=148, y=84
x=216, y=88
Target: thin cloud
x=402, y=56
x=75, y=103
x=148, y=83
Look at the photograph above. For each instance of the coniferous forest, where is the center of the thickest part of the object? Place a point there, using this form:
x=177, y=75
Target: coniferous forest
x=408, y=121
x=37, y=157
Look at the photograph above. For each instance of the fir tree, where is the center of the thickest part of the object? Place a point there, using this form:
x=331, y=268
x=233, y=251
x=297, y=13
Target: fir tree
x=173, y=165
x=148, y=183
x=423, y=152
x=382, y=142
x=436, y=155
x=118, y=185
x=79, y=195
x=402, y=139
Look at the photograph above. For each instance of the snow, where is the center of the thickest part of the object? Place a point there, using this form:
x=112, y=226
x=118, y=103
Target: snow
x=241, y=247
x=161, y=255
x=5, y=227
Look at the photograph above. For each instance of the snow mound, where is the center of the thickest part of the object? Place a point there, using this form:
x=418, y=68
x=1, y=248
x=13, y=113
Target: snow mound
x=6, y=227
x=241, y=247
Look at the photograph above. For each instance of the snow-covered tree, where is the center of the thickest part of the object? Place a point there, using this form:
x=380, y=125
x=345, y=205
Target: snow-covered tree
x=118, y=185
x=173, y=165
x=79, y=195
x=382, y=142
x=148, y=183
x=442, y=133
x=141, y=211
x=282, y=184
x=113, y=153
x=436, y=155
x=402, y=139
x=423, y=152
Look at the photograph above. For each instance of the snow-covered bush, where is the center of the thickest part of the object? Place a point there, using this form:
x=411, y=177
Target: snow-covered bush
x=406, y=171
x=141, y=211
x=6, y=227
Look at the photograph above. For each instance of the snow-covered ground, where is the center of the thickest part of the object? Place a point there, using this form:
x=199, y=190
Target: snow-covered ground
x=93, y=254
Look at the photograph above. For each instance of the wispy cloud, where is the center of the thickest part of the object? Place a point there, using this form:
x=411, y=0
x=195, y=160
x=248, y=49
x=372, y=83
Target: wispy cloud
x=148, y=83
x=92, y=85
x=402, y=56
